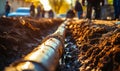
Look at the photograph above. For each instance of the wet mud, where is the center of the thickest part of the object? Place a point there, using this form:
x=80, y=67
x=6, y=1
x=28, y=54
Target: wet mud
x=92, y=46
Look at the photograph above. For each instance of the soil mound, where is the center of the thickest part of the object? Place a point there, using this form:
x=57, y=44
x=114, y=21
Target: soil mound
x=19, y=36
x=92, y=46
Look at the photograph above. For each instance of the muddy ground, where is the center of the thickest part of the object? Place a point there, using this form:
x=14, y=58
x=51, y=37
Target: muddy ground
x=19, y=36
x=92, y=46
x=89, y=45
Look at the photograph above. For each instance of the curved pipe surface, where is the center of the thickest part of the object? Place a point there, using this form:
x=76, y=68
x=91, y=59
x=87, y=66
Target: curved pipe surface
x=46, y=56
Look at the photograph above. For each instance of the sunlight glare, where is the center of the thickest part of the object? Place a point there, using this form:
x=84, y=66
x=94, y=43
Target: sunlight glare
x=69, y=1
x=45, y=4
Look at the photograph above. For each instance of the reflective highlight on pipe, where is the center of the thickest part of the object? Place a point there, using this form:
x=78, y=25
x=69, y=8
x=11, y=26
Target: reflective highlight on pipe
x=46, y=56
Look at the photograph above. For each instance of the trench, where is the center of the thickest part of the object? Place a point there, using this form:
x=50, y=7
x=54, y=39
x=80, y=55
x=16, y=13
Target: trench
x=88, y=46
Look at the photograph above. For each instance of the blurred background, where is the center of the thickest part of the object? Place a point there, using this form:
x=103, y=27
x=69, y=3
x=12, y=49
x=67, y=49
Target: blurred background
x=58, y=6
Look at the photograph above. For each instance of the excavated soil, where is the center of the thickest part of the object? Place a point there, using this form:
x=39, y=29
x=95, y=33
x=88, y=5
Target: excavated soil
x=91, y=46
x=19, y=36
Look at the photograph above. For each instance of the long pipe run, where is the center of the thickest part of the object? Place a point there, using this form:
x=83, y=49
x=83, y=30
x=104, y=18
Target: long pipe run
x=46, y=56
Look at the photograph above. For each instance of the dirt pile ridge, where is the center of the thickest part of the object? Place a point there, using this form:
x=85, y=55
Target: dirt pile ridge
x=19, y=36
x=92, y=46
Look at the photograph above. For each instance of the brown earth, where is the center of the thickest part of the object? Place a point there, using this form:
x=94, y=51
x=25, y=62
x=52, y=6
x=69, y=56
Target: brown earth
x=89, y=45
x=93, y=46
x=19, y=36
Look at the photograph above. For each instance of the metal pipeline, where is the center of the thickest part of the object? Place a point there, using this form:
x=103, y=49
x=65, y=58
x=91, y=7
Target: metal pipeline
x=46, y=56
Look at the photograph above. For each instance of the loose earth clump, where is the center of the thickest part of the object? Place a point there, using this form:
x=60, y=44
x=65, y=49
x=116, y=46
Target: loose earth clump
x=92, y=46
x=89, y=45
x=19, y=36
